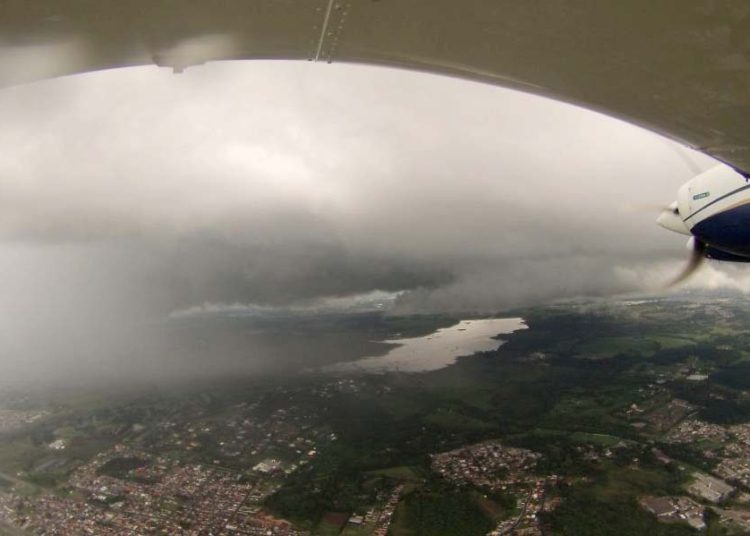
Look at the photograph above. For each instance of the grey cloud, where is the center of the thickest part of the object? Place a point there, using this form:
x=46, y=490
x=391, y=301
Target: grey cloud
x=127, y=195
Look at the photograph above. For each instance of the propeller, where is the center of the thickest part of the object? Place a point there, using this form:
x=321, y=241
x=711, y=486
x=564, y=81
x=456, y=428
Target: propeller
x=671, y=219
x=697, y=255
x=645, y=208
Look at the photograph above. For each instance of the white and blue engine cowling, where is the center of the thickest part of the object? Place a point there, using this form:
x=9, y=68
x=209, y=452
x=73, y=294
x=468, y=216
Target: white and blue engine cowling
x=713, y=209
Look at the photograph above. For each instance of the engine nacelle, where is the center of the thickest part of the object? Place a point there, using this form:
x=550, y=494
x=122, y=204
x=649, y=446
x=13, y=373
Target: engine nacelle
x=715, y=208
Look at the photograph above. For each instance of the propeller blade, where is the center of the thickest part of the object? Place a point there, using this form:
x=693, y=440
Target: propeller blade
x=697, y=255
x=645, y=208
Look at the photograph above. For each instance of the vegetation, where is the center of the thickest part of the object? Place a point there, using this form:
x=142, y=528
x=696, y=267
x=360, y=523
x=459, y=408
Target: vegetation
x=566, y=388
x=120, y=467
x=445, y=512
x=583, y=513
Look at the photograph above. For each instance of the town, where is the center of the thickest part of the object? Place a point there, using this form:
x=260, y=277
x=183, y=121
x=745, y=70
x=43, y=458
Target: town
x=537, y=438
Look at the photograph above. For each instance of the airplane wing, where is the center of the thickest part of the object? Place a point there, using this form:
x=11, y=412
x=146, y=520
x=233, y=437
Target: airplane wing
x=678, y=67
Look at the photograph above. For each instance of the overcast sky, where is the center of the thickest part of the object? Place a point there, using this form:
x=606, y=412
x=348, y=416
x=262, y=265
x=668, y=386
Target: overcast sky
x=128, y=196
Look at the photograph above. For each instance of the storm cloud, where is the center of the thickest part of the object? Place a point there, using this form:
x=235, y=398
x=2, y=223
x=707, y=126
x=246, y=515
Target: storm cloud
x=128, y=197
